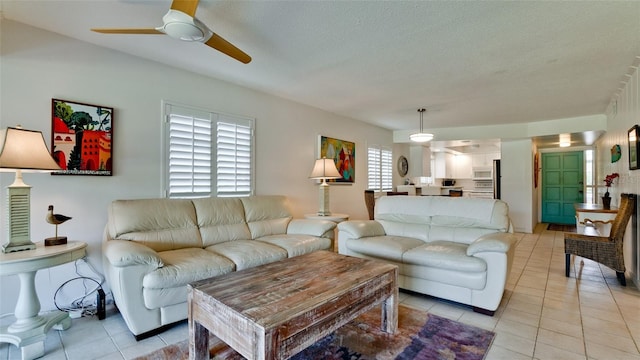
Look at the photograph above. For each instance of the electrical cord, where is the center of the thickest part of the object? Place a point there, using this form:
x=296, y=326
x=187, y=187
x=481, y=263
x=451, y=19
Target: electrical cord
x=79, y=303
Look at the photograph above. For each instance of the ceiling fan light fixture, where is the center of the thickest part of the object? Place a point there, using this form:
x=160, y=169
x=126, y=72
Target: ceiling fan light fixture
x=421, y=136
x=181, y=26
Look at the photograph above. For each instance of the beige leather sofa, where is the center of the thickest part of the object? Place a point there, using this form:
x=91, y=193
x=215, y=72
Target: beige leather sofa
x=153, y=247
x=460, y=249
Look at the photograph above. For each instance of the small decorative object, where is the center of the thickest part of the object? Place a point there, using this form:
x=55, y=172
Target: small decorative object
x=616, y=153
x=633, y=147
x=81, y=138
x=403, y=166
x=343, y=154
x=608, y=181
x=55, y=219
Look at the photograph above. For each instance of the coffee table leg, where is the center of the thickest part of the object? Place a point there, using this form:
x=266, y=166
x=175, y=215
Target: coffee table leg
x=390, y=313
x=198, y=341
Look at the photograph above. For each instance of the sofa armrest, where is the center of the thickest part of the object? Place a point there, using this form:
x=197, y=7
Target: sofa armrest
x=310, y=227
x=494, y=242
x=361, y=228
x=122, y=253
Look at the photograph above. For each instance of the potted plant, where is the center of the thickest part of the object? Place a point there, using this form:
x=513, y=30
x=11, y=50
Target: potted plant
x=608, y=181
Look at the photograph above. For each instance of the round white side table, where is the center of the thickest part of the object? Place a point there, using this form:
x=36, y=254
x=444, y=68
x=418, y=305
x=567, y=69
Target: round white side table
x=336, y=218
x=30, y=328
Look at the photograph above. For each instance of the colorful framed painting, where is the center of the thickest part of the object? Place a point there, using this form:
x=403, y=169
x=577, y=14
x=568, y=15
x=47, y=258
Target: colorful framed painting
x=82, y=138
x=343, y=154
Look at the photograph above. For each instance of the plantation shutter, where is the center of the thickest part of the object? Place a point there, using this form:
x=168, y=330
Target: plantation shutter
x=386, y=169
x=207, y=154
x=189, y=156
x=379, y=169
x=373, y=168
x=234, y=158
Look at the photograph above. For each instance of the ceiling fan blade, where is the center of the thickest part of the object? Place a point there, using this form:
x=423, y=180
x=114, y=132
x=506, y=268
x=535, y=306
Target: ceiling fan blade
x=186, y=6
x=129, y=31
x=227, y=48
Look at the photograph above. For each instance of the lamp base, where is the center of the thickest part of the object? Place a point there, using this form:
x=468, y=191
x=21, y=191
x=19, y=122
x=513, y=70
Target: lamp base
x=13, y=247
x=324, y=199
x=58, y=240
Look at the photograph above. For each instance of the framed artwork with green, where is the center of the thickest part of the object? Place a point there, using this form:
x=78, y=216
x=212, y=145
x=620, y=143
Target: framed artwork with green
x=82, y=138
x=343, y=154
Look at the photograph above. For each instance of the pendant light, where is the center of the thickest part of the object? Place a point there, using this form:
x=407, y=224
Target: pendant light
x=421, y=136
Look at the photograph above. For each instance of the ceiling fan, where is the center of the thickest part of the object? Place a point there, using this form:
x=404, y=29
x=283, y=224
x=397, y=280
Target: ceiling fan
x=180, y=23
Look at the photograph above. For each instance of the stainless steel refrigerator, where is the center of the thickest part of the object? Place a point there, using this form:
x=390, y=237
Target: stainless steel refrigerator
x=496, y=179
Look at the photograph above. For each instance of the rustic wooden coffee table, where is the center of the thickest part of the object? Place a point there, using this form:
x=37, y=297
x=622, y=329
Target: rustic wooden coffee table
x=276, y=310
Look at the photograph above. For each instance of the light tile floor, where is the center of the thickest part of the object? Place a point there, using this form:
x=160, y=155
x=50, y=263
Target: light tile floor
x=543, y=315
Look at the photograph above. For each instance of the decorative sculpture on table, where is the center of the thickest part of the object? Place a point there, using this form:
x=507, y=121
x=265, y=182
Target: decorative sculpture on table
x=608, y=181
x=55, y=219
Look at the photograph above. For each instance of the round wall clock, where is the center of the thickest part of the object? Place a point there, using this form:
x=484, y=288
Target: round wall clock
x=403, y=166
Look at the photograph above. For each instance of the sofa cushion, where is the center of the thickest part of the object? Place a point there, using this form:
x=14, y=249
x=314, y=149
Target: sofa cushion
x=444, y=255
x=249, y=253
x=221, y=219
x=433, y=218
x=161, y=224
x=383, y=247
x=180, y=268
x=462, y=235
x=406, y=228
x=297, y=244
x=464, y=280
x=266, y=215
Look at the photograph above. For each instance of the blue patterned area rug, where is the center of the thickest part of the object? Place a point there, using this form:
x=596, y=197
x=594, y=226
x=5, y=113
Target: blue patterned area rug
x=420, y=336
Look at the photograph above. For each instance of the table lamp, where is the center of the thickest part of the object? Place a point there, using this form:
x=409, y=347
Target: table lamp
x=324, y=169
x=22, y=150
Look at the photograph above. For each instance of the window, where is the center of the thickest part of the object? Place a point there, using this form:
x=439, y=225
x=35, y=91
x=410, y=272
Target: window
x=379, y=169
x=589, y=175
x=207, y=153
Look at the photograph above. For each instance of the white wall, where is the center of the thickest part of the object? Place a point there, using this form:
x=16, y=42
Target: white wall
x=516, y=167
x=37, y=66
x=623, y=112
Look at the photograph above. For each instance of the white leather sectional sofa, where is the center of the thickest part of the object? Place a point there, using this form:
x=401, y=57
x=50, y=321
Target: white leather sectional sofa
x=460, y=249
x=152, y=248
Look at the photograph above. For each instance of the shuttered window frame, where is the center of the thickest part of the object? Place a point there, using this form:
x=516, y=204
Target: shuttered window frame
x=207, y=153
x=379, y=168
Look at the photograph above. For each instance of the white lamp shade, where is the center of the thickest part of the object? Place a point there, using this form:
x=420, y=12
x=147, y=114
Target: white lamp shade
x=325, y=169
x=421, y=137
x=22, y=149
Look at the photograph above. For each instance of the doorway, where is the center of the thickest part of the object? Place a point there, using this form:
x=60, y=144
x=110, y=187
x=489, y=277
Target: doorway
x=562, y=186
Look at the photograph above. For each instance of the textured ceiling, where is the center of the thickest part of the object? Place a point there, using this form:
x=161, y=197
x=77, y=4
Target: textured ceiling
x=468, y=63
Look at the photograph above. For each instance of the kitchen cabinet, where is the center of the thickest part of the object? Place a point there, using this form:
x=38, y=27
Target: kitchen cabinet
x=462, y=167
x=444, y=165
x=449, y=166
x=484, y=159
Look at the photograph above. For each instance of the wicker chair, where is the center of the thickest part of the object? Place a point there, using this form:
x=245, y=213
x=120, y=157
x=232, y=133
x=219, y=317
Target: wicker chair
x=370, y=202
x=606, y=250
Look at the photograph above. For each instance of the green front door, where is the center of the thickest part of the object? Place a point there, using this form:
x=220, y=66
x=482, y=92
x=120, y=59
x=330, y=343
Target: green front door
x=562, y=186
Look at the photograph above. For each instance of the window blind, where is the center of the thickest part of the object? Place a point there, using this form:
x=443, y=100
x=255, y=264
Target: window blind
x=379, y=169
x=208, y=154
x=233, y=162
